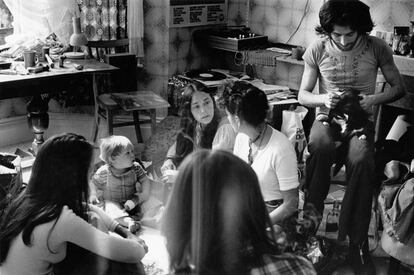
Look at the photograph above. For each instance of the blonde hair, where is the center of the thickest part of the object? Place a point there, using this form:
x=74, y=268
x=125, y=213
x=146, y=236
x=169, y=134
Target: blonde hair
x=113, y=146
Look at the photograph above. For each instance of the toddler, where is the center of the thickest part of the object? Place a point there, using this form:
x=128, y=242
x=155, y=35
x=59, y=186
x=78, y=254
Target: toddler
x=123, y=182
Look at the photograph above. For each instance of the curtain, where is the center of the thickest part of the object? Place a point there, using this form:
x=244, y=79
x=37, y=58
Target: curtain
x=114, y=19
x=6, y=19
x=104, y=19
x=136, y=27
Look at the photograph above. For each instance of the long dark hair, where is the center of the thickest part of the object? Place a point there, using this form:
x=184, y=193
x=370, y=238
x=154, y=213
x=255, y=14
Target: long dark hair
x=215, y=218
x=59, y=177
x=188, y=125
x=352, y=13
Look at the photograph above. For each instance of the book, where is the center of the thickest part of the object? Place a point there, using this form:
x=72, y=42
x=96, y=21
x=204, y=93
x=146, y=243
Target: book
x=127, y=102
x=141, y=100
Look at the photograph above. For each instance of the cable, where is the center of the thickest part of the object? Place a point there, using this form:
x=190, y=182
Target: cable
x=300, y=22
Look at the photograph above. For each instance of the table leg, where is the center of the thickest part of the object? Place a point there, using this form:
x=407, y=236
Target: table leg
x=38, y=120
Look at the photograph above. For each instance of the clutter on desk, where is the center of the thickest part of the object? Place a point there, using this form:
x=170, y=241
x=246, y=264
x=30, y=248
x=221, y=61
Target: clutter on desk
x=400, y=43
x=4, y=64
x=15, y=48
x=10, y=178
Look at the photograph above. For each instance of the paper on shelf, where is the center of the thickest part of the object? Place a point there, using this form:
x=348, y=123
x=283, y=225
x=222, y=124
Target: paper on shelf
x=269, y=88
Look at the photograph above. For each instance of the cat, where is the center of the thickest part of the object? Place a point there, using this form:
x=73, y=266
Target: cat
x=347, y=119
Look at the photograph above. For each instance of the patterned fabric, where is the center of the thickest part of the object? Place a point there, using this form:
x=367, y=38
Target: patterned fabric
x=284, y=264
x=104, y=19
x=6, y=19
x=119, y=188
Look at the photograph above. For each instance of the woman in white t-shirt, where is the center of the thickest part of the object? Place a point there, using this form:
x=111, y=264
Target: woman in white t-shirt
x=48, y=221
x=268, y=151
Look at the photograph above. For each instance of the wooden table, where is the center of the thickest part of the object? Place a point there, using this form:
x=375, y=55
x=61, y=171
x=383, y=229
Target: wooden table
x=54, y=80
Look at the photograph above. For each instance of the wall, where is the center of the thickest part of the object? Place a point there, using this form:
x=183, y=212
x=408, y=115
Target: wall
x=168, y=51
x=278, y=19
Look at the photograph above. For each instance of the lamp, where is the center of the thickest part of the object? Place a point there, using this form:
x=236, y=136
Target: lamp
x=77, y=39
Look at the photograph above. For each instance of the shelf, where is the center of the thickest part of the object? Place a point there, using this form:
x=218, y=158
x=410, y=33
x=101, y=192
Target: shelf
x=404, y=64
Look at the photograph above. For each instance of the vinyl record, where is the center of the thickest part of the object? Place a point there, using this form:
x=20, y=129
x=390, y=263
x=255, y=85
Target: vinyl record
x=205, y=75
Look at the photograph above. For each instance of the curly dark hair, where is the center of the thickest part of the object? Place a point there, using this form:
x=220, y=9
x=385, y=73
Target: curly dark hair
x=246, y=101
x=352, y=13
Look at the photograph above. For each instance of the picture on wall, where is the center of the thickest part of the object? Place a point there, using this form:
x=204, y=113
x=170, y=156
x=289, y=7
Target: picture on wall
x=186, y=13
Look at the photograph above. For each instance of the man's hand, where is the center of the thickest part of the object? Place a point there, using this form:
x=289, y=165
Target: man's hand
x=367, y=102
x=331, y=100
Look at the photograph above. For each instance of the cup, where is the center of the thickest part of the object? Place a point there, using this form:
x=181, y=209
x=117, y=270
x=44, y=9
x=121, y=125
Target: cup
x=30, y=59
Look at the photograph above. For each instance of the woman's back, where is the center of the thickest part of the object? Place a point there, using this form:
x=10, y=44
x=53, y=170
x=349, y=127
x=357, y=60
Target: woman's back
x=35, y=259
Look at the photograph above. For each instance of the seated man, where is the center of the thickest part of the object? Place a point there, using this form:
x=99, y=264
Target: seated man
x=346, y=57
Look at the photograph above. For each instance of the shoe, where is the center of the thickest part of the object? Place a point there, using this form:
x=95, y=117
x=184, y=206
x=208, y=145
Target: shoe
x=360, y=259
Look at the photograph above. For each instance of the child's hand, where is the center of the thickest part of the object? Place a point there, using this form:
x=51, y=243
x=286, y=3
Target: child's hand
x=93, y=199
x=169, y=176
x=168, y=165
x=129, y=205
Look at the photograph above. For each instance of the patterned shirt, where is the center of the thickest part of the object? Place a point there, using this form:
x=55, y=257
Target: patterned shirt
x=119, y=188
x=356, y=69
x=286, y=263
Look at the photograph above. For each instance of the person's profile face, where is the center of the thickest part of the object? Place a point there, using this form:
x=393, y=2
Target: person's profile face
x=125, y=159
x=344, y=37
x=202, y=107
x=234, y=121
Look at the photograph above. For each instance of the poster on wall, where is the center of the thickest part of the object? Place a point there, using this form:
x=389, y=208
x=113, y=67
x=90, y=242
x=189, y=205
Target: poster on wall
x=186, y=13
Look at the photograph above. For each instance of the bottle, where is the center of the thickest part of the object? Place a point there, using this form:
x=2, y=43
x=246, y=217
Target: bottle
x=332, y=222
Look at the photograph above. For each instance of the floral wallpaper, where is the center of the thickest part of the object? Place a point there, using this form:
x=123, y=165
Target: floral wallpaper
x=6, y=18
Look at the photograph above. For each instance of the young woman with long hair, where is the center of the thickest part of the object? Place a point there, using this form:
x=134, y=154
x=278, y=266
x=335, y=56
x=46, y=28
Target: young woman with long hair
x=50, y=216
x=217, y=223
x=202, y=126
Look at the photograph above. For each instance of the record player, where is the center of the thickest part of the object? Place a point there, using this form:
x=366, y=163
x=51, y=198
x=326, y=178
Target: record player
x=231, y=38
x=205, y=75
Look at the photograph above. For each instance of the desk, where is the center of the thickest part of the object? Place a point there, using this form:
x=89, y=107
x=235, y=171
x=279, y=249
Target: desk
x=55, y=80
x=52, y=81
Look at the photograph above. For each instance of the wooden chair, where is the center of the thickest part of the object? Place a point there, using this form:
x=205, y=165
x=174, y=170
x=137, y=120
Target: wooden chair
x=115, y=52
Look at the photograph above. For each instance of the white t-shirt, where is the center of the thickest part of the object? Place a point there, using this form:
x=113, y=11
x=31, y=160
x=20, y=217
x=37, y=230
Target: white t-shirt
x=275, y=164
x=37, y=259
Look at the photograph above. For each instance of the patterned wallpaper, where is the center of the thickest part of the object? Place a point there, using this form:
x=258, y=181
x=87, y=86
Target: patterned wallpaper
x=156, y=35
x=168, y=51
x=278, y=19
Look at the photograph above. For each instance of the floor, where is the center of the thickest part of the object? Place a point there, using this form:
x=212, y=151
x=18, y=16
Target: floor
x=381, y=266
x=155, y=261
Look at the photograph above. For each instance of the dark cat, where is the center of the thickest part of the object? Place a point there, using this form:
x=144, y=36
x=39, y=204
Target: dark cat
x=347, y=119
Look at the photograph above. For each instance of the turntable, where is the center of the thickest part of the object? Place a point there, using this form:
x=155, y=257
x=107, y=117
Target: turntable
x=231, y=38
x=205, y=75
